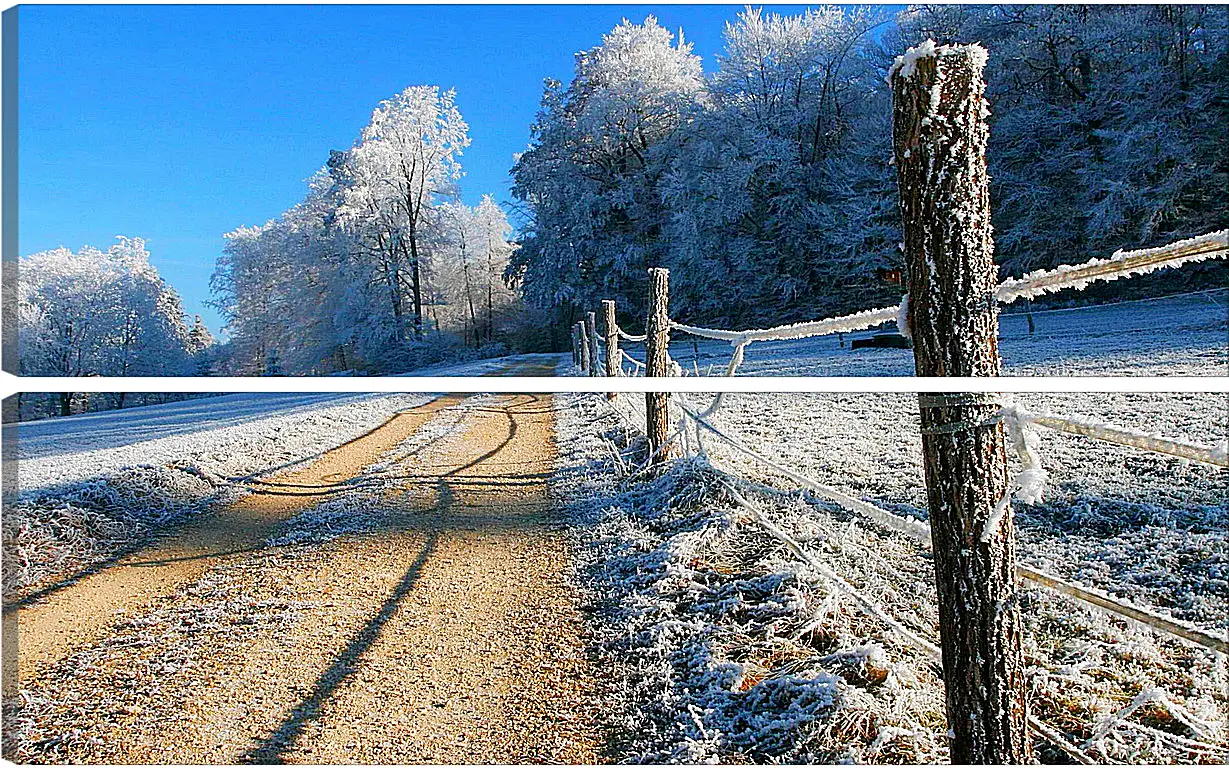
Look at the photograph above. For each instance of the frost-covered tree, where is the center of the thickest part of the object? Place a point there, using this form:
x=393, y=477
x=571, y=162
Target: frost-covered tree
x=757, y=187
x=779, y=194
x=494, y=239
x=590, y=182
x=295, y=292
x=473, y=256
x=1107, y=126
x=404, y=164
x=100, y=313
x=379, y=269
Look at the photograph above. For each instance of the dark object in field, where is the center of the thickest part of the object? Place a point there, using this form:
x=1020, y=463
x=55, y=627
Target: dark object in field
x=893, y=340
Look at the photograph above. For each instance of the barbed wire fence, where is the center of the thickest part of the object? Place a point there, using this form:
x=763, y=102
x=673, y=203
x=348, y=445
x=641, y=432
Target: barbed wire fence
x=950, y=313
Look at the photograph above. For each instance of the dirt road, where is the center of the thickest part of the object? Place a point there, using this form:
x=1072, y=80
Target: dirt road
x=446, y=630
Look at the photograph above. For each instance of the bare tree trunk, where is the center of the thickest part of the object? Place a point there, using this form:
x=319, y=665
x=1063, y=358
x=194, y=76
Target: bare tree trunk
x=612, y=342
x=417, y=285
x=473, y=316
x=940, y=135
x=490, y=295
x=657, y=363
x=66, y=403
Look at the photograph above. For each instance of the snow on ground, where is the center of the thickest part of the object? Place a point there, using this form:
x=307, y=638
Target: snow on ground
x=724, y=645
x=1184, y=335
x=92, y=484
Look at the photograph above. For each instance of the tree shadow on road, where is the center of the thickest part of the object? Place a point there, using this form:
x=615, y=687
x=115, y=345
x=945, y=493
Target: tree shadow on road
x=273, y=748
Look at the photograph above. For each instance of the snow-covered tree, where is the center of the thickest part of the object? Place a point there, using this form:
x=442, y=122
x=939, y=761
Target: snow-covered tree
x=781, y=186
x=591, y=180
x=380, y=268
x=100, y=313
x=402, y=167
x=1107, y=122
x=476, y=250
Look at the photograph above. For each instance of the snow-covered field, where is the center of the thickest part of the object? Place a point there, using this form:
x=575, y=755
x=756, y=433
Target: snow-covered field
x=91, y=484
x=1184, y=335
x=726, y=645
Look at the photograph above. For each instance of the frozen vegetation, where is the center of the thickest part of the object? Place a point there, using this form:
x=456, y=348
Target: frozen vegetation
x=728, y=646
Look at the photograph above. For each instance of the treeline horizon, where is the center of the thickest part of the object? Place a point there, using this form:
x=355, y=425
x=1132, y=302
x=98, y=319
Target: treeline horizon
x=765, y=186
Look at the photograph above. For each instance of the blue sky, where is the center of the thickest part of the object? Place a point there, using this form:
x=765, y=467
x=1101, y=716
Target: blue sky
x=180, y=123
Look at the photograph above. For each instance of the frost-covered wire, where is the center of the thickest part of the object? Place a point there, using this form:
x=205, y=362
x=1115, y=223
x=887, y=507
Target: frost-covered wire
x=1214, y=245
x=927, y=647
x=915, y=528
x=636, y=363
x=844, y=324
x=1098, y=430
x=921, y=531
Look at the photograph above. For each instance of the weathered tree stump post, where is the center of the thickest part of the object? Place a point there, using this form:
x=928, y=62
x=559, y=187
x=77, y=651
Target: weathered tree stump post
x=939, y=136
x=657, y=363
x=584, y=347
x=595, y=368
x=612, y=341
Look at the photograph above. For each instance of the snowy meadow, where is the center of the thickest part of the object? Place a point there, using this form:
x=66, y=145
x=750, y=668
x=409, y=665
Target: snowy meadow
x=727, y=646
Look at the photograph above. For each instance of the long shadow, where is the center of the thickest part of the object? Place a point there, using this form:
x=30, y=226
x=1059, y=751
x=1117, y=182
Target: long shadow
x=273, y=748
x=112, y=560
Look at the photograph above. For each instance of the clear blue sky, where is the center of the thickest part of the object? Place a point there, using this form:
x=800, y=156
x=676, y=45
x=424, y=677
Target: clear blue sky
x=180, y=123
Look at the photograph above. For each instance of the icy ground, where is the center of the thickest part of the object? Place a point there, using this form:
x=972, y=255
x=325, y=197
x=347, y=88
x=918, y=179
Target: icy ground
x=91, y=484
x=1177, y=336
x=725, y=646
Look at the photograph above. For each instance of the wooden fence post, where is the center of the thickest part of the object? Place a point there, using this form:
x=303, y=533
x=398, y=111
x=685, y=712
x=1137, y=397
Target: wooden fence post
x=612, y=342
x=939, y=137
x=595, y=369
x=576, y=344
x=584, y=347
x=657, y=363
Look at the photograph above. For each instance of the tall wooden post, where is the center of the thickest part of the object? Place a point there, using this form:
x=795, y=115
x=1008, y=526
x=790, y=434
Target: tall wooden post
x=584, y=347
x=612, y=341
x=939, y=135
x=657, y=362
x=575, y=348
x=595, y=368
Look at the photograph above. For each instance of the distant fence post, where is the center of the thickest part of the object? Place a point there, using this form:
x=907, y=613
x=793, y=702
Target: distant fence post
x=583, y=347
x=575, y=348
x=595, y=369
x=939, y=137
x=657, y=362
x=612, y=341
